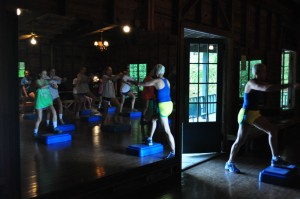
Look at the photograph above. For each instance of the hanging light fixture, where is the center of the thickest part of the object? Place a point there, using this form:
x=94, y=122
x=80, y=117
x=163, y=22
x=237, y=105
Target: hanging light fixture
x=33, y=41
x=102, y=45
x=126, y=29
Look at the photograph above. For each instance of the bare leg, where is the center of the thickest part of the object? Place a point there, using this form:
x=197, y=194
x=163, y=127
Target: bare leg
x=132, y=101
x=60, y=110
x=54, y=116
x=146, y=106
x=263, y=124
x=122, y=102
x=153, y=127
x=240, y=140
x=39, y=118
x=48, y=117
x=166, y=127
x=116, y=102
x=100, y=102
x=94, y=98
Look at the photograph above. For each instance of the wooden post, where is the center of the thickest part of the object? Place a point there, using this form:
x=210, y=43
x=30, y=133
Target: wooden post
x=9, y=106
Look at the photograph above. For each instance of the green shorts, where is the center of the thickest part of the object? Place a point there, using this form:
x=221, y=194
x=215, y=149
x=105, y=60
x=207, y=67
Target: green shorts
x=248, y=116
x=165, y=108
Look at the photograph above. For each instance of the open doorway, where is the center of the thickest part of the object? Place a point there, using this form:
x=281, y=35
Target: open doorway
x=201, y=131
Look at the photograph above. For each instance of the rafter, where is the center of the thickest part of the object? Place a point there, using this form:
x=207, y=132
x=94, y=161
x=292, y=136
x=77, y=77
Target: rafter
x=187, y=7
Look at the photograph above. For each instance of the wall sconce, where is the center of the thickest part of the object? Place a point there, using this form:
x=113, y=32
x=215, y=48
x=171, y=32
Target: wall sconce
x=102, y=45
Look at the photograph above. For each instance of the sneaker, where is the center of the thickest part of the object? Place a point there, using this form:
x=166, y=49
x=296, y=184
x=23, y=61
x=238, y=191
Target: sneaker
x=144, y=122
x=35, y=135
x=230, y=166
x=279, y=162
x=148, y=141
x=56, y=130
x=171, y=155
x=61, y=121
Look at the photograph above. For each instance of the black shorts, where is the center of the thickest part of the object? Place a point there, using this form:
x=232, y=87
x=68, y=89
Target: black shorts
x=125, y=94
x=106, y=99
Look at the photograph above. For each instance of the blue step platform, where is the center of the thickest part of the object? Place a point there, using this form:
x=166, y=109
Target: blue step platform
x=142, y=150
x=29, y=116
x=112, y=109
x=59, y=146
x=133, y=114
x=66, y=127
x=116, y=127
x=51, y=138
x=92, y=118
x=86, y=112
x=279, y=176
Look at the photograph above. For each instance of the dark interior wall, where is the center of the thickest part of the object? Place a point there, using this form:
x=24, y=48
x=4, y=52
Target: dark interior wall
x=256, y=29
x=9, y=133
x=68, y=57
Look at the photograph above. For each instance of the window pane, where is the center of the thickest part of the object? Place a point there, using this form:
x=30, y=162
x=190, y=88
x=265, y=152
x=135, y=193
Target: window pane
x=21, y=69
x=203, y=53
x=193, y=93
x=212, y=74
x=194, y=53
x=212, y=109
x=252, y=63
x=194, y=73
x=202, y=112
x=286, y=75
x=213, y=53
x=203, y=93
x=212, y=93
x=203, y=73
x=286, y=60
x=193, y=112
x=243, y=79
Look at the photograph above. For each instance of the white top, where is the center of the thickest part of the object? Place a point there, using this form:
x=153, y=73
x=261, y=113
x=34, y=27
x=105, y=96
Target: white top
x=108, y=86
x=74, y=86
x=82, y=85
x=54, y=91
x=125, y=86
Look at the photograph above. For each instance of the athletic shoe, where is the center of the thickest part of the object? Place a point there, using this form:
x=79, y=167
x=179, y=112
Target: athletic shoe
x=148, y=141
x=171, y=155
x=144, y=122
x=35, y=135
x=230, y=166
x=279, y=162
x=56, y=130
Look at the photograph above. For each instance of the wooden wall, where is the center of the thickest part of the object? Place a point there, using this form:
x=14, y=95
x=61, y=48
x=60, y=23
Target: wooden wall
x=9, y=114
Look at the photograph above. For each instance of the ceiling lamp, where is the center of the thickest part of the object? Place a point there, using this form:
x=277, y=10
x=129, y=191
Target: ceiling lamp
x=102, y=45
x=33, y=41
x=19, y=11
x=126, y=29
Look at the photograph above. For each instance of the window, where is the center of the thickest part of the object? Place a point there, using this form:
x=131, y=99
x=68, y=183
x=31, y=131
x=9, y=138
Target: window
x=21, y=69
x=245, y=75
x=287, y=65
x=203, y=65
x=137, y=72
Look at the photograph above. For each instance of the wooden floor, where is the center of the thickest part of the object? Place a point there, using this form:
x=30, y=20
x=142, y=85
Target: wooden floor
x=93, y=154
x=209, y=180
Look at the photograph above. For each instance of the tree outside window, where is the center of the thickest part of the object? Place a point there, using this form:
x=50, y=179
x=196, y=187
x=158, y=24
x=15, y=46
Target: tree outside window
x=287, y=65
x=138, y=72
x=246, y=75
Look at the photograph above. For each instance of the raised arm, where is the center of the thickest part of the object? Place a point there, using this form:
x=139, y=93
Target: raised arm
x=265, y=87
x=153, y=82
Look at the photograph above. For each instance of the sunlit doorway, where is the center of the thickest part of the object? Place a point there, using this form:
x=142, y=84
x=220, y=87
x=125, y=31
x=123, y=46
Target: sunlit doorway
x=201, y=132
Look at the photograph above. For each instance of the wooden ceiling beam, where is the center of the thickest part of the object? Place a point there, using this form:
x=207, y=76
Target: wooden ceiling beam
x=187, y=7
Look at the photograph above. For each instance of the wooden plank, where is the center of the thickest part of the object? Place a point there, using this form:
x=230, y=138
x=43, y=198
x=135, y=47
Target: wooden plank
x=187, y=7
